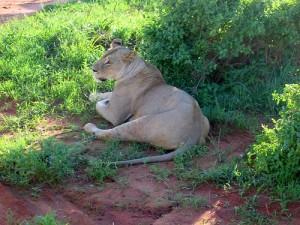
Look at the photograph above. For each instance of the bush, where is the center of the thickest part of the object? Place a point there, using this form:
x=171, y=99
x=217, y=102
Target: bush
x=99, y=170
x=21, y=164
x=276, y=153
x=231, y=55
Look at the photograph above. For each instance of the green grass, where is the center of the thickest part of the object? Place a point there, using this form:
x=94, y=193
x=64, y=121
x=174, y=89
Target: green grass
x=46, y=59
x=189, y=201
x=102, y=166
x=28, y=160
x=99, y=170
x=160, y=174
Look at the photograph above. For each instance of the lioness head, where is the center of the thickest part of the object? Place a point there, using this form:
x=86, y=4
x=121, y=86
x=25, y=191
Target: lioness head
x=114, y=62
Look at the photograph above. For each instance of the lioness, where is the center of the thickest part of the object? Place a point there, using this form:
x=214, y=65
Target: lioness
x=143, y=108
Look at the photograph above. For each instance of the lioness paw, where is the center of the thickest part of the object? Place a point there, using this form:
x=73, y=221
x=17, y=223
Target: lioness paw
x=90, y=128
x=94, y=97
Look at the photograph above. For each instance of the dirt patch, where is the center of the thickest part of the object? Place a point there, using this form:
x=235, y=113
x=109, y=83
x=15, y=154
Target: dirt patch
x=8, y=107
x=230, y=146
x=10, y=9
x=134, y=197
x=23, y=205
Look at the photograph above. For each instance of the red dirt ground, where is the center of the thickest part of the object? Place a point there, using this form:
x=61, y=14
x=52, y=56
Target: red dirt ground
x=135, y=196
x=8, y=107
x=18, y=8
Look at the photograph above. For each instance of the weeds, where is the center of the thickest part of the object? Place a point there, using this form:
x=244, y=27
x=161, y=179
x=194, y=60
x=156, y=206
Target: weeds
x=99, y=170
x=22, y=164
x=249, y=214
x=189, y=201
x=103, y=166
x=160, y=174
x=47, y=219
x=185, y=161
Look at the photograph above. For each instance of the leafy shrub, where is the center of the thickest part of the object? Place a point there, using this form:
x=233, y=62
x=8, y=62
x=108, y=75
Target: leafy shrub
x=231, y=55
x=22, y=165
x=99, y=170
x=276, y=153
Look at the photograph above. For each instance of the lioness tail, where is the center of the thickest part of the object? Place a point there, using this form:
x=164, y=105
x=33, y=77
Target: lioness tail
x=158, y=158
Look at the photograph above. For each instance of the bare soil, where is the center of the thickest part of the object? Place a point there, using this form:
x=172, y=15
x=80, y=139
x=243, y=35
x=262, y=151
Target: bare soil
x=134, y=196
x=10, y=9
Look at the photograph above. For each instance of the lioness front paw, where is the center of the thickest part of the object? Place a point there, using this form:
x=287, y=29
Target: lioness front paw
x=90, y=128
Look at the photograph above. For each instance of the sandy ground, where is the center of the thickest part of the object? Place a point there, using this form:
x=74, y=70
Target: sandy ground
x=18, y=8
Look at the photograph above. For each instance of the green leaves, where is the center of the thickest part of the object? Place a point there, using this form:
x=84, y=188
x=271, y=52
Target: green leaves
x=276, y=152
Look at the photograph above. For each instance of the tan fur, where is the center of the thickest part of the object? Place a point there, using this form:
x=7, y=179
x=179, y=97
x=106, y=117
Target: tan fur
x=143, y=108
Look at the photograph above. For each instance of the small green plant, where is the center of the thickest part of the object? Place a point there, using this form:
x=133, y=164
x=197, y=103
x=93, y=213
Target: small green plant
x=135, y=150
x=115, y=151
x=22, y=164
x=47, y=219
x=221, y=174
x=103, y=166
x=189, y=201
x=99, y=170
x=249, y=215
x=160, y=174
x=184, y=161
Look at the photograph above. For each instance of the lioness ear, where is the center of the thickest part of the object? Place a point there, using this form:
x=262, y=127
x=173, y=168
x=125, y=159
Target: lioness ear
x=116, y=43
x=128, y=57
